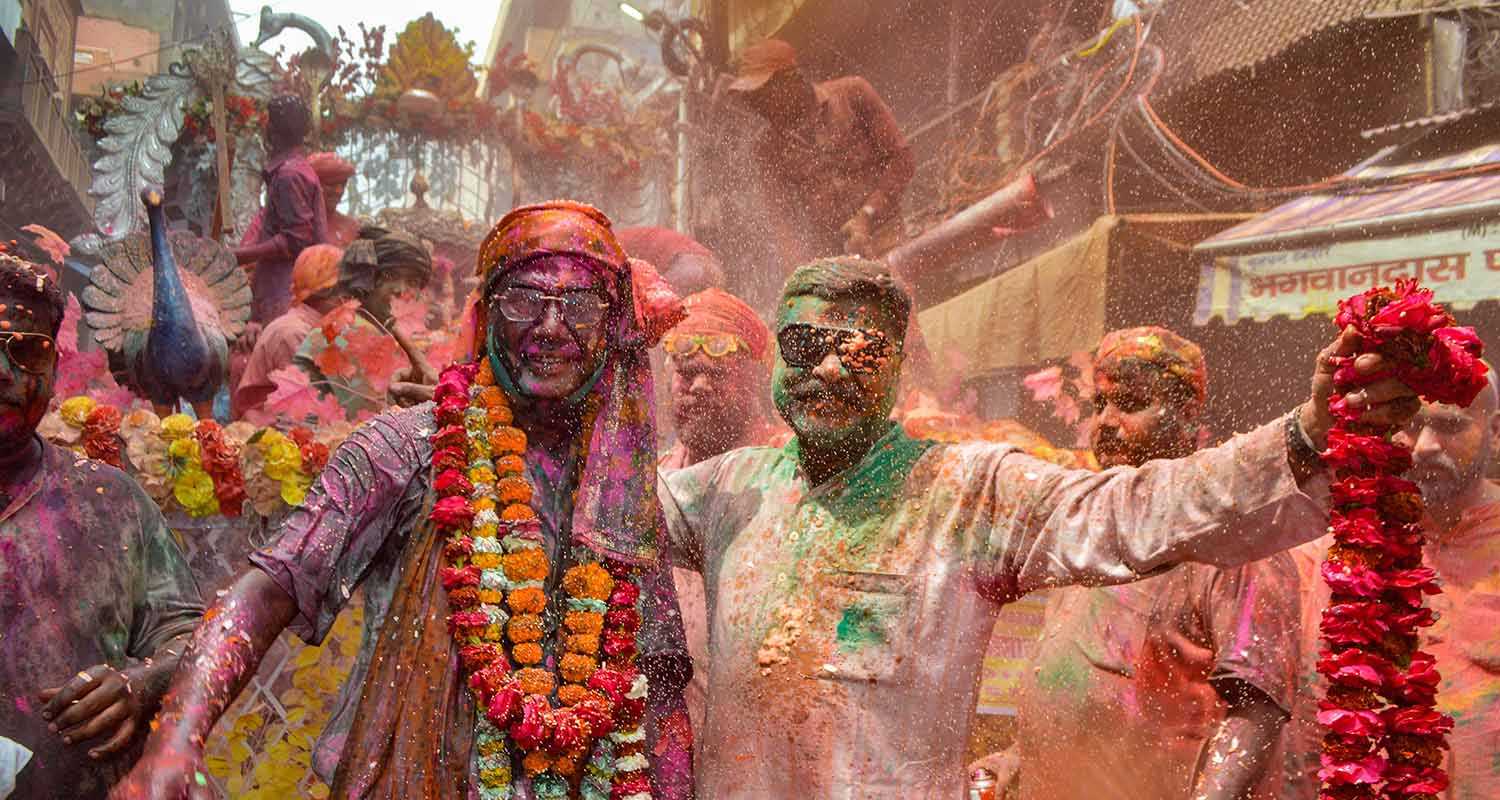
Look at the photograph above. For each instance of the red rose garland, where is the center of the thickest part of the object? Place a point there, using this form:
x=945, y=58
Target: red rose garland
x=1383, y=737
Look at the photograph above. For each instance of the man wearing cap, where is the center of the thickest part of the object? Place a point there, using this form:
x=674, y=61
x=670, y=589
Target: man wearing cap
x=315, y=292
x=718, y=362
x=333, y=176
x=833, y=161
x=1177, y=686
x=854, y=575
x=295, y=216
x=523, y=639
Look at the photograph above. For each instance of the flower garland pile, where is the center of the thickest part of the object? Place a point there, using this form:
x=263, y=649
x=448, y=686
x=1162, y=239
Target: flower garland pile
x=1383, y=736
x=574, y=720
x=202, y=468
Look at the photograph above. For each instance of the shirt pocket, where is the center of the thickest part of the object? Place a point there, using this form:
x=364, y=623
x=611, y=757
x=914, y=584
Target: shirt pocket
x=870, y=618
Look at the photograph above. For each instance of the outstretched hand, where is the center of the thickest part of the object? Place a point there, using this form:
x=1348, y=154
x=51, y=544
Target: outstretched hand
x=1384, y=402
x=95, y=703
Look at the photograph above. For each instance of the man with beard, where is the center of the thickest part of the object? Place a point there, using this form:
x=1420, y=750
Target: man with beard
x=96, y=600
x=1176, y=686
x=853, y=576
x=483, y=605
x=718, y=362
x=1452, y=449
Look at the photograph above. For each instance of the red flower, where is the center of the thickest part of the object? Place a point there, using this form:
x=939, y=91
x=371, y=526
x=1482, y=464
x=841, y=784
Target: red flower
x=629, y=784
x=1417, y=721
x=449, y=458
x=454, y=578
x=612, y=682
x=478, y=656
x=504, y=706
x=451, y=410
x=1402, y=780
x=1354, y=623
x=624, y=618
x=1366, y=770
x=597, y=714
x=1410, y=585
x=1345, y=722
x=1455, y=359
x=1365, y=455
x=569, y=733
x=1358, y=526
x=452, y=513
x=530, y=730
x=450, y=436
x=1418, y=684
x=625, y=594
x=1346, y=579
x=452, y=482
x=619, y=645
x=451, y=384
x=1355, y=667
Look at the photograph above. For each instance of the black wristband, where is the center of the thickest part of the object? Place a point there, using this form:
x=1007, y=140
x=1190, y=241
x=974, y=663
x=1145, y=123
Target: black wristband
x=1301, y=455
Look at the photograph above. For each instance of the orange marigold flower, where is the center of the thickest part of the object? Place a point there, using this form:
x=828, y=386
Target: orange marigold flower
x=571, y=694
x=536, y=762
x=517, y=512
x=527, y=653
x=567, y=766
x=486, y=374
x=535, y=681
x=530, y=600
x=586, y=643
x=513, y=490
x=508, y=439
x=491, y=596
x=525, y=628
x=584, y=622
x=485, y=560
x=589, y=581
x=499, y=415
x=510, y=465
x=577, y=668
x=526, y=565
x=491, y=396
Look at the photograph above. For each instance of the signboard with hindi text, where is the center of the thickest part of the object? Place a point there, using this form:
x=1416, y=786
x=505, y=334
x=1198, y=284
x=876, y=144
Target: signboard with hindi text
x=1460, y=264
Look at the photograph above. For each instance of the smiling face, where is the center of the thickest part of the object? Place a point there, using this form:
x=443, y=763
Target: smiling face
x=549, y=358
x=23, y=394
x=827, y=403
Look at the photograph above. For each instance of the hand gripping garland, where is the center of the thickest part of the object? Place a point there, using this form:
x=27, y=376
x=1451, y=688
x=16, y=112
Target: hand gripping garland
x=1383, y=737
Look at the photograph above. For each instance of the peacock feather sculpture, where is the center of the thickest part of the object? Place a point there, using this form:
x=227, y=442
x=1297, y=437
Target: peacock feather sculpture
x=166, y=305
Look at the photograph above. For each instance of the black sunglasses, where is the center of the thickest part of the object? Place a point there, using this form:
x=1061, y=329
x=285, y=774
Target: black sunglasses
x=859, y=350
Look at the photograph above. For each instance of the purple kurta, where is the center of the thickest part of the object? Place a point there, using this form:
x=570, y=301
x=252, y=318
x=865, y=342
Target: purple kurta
x=89, y=574
x=364, y=525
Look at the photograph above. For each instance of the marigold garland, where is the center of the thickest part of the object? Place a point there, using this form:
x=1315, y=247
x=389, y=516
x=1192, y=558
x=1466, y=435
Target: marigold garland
x=1384, y=738
x=573, y=721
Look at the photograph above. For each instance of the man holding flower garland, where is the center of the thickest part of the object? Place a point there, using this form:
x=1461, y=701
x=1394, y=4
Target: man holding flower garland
x=96, y=599
x=525, y=641
x=853, y=576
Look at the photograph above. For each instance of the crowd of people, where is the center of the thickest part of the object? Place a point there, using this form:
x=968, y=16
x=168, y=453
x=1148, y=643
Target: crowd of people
x=788, y=597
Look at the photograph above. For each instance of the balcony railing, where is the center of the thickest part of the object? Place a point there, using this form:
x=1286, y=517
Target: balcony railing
x=34, y=95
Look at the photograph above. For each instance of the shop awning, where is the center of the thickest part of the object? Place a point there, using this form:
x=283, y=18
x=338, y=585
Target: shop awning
x=1304, y=256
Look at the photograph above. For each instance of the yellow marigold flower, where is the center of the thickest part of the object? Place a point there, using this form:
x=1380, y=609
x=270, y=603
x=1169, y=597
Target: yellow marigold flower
x=185, y=449
x=294, y=491
x=177, y=426
x=490, y=596
x=492, y=633
x=483, y=504
x=283, y=459
x=494, y=776
x=492, y=747
x=480, y=475
x=485, y=560
x=526, y=565
x=589, y=581
x=76, y=410
x=486, y=532
x=194, y=489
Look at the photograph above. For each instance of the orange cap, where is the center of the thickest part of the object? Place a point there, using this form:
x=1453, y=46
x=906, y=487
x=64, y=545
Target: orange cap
x=760, y=61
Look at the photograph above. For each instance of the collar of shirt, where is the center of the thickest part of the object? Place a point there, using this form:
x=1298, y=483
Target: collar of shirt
x=883, y=466
x=27, y=490
x=275, y=162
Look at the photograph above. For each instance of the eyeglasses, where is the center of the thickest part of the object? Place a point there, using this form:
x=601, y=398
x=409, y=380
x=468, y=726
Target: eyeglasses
x=859, y=350
x=581, y=309
x=713, y=345
x=30, y=352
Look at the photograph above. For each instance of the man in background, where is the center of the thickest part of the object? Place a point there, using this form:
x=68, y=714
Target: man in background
x=315, y=292
x=333, y=175
x=1174, y=687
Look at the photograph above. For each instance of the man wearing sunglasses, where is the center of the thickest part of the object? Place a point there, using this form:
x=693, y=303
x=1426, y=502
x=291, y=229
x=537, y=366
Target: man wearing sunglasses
x=96, y=600
x=854, y=575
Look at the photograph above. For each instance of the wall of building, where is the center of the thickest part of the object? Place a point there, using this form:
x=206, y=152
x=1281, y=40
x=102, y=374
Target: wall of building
x=111, y=52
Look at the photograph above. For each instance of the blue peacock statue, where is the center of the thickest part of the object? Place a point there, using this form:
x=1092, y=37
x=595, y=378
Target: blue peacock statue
x=166, y=306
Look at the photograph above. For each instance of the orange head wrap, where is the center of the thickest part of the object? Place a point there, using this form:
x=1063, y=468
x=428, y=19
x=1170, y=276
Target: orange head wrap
x=714, y=311
x=316, y=269
x=330, y=168
x=1166, y=351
